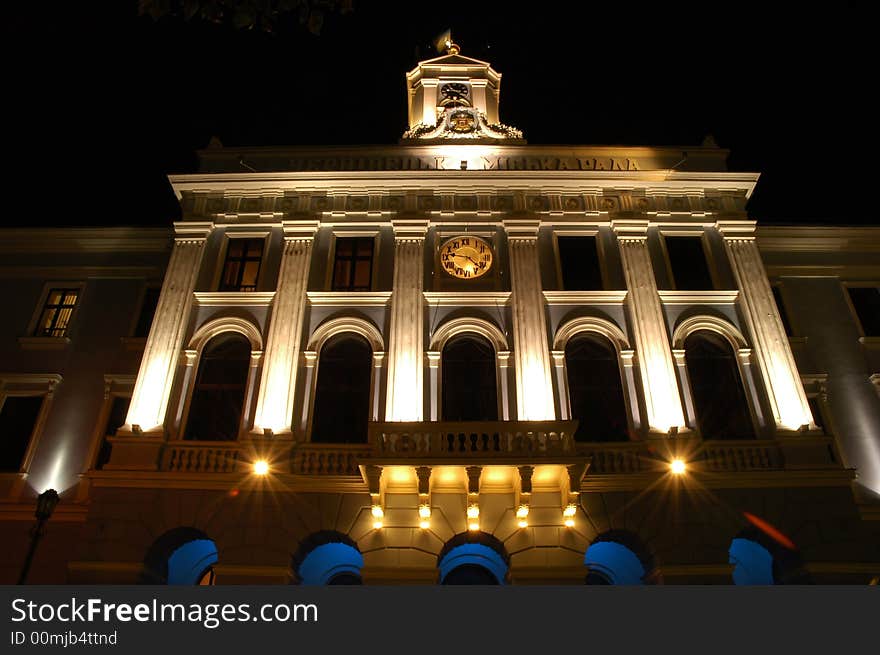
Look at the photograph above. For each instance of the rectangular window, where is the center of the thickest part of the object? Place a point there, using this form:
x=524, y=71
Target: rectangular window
x=579, y=264
x=687, y=261
x=148, y=310
x=866, y=302
x=242, y=266
x=57, y=310
x=780, y=306
x=18, y=419
x=115, y=420
x=816, y=409
x=353, y=264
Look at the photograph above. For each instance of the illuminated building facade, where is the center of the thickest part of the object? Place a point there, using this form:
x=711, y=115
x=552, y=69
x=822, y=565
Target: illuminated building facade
x=459, y=359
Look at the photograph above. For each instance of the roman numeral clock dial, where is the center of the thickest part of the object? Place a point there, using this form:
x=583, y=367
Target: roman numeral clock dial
x=466, y=257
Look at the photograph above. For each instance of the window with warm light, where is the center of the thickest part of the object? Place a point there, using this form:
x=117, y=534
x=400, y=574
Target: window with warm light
x=241, y=269
x=57, y=310
x=353, y=264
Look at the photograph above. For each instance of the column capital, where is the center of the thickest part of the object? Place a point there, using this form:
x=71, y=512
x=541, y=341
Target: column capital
x=310, y=357
x=433, y=357
x=299, y=229
x=736, y=229
x=378, y=358
x=192, y=230
x=630, y=228
x=410, y=229
x=523, y=228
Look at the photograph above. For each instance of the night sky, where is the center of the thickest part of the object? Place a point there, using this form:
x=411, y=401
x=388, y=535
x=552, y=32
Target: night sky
x=101, y=104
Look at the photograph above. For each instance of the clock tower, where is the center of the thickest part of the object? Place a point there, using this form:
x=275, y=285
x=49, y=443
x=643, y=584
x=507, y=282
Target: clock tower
x=454, y=97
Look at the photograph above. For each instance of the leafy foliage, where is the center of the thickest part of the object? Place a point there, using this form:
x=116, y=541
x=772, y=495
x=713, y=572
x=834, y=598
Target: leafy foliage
x=261, y=15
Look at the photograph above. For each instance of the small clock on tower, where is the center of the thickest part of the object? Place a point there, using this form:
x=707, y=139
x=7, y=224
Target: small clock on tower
x=466, y=257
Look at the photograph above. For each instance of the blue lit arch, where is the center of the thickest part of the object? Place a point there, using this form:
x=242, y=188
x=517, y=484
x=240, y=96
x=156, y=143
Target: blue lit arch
x=328, y=558
x=181, y=556
x=473, y=558
x=618, y=557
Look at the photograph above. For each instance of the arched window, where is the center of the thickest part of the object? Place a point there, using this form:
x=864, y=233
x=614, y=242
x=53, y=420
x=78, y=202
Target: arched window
x=473, y=559
x=218, y=395
x=182, y=556
x=328, y=558
x=617, y=557
x=719, y=397
x=595, y=389
x=342, y=391
x=469, y=380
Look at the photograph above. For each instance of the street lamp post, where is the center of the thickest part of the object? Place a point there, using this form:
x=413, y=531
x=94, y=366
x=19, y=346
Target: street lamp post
x=46, y=503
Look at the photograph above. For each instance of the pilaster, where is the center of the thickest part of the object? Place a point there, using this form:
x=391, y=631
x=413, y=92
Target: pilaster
x=404, y=394
x=662, y=400
x=278, y=381
x=787, y=400
x=152, y=389
x=534, y=381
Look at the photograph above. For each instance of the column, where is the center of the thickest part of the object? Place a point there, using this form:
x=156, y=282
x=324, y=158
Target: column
x=434, y=383
x=503, y=357
x=686, y=394
x=256, y=359
x=627, y=358
x=310, y=358
x=404, y=394
x=657, y=370
x=561, y=383
x=531, y=351
x=152, y=390
x=378, y=363
x=788, y=402
x=278, y=382
x=189, y=363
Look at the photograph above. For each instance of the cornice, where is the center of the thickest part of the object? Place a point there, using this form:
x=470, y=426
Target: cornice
x=458, y=180
x=467, y=298
x=816, y=238
x=349, y=298
x=84, y=240
x=605, y=297
x=234, y=298
x=724, y=297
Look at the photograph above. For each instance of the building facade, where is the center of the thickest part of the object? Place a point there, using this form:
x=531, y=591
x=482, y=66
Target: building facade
x=461, y=358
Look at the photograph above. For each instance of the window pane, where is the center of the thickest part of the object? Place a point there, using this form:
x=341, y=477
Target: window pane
x=17, y=421
x=688, y=262
x=595, y=390
x=249, y=279
x=46, y=322
x=342, y=392
x=579, y=261
x=218, y=395
x=866, y=301
x=719, y=398
x=254, y=248
x=362, y=275
x=54, y=297
x=235, y=248
x=780, y=306
x=469, y=390
x=352, y=267
x=61, y=321
x=230, y=276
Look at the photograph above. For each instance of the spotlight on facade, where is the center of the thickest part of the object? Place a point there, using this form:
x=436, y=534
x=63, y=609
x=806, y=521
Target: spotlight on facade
x=677, y=466
x=424, y=511
x=424, y=524
x=261, y=467
x=377, y=512
x=522, y=513
x=377, y=524
x=473, y=515
x=568, y=515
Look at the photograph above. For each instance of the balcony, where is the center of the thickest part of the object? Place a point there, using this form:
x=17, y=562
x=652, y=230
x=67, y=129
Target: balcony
x=473, y=442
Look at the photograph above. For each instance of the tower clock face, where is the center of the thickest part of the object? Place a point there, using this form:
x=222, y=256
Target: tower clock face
x=454, y=93
x=466, y=257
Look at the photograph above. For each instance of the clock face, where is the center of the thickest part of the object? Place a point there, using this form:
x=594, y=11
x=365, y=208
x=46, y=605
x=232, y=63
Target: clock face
x=466, y=257
x=454, y=93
